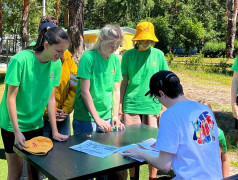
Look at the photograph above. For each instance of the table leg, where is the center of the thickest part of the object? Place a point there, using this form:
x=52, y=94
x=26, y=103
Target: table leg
x=137, y=171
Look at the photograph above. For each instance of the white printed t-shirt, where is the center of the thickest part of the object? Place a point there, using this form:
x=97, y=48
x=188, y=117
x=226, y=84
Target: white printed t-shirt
x=189, y=131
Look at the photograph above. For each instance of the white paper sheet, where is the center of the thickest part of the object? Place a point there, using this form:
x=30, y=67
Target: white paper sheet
x=95, y=148
x=146, y=147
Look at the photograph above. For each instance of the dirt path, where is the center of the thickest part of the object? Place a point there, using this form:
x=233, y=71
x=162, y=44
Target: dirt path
x=219, y=97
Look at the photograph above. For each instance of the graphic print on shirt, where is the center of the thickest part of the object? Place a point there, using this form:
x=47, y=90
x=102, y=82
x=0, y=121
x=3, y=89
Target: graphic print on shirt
x=51, y=76
x=203, y=128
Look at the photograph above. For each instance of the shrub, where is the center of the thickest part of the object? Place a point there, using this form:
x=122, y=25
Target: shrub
x=170, y=57
x=193, y=62
x=214, y=49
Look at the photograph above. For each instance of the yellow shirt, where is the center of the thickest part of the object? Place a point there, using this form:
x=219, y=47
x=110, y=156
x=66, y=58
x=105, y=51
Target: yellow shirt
x=65, y=93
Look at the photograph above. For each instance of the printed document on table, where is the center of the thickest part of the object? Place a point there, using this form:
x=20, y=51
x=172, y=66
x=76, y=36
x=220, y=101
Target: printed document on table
x=95, y=148
x=144, y=146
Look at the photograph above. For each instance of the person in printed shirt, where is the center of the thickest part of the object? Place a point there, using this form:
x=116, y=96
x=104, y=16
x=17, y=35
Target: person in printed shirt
x=138, y=65
x=65, y=92
x=31, y=78
x=181, y=139
x=97, y=99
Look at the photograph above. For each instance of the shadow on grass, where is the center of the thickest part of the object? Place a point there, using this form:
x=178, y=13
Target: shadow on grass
x=169, y=175
x=2, y=154
x=226, y=122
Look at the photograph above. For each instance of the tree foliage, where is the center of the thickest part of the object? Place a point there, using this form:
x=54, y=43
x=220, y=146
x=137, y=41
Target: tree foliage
x=186, y=23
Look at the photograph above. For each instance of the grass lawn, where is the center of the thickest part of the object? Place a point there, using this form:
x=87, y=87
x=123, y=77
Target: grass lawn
x=206, y=60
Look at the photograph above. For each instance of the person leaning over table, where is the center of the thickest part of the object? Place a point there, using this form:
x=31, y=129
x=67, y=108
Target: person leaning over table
x=234, y=91
x=138, y=65
x=31, y=78
x=65, y=92
x=188, y=134
x=98, y=90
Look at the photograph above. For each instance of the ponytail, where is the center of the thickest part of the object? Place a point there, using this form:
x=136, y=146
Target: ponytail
x=39, y=47
x=52, y=35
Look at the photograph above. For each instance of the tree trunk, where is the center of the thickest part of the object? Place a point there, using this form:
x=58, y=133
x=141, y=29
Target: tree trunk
x=66, y=18
x=231, y=26
x=57, y=9
x=176, y=7
x=25, y=15
x=1, y=26
x=76, y=27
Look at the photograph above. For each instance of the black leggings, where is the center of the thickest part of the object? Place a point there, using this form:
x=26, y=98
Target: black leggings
x=8, y=138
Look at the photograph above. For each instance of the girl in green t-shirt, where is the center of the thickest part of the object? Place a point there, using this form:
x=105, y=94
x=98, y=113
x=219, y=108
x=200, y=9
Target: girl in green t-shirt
x=98, y=90
x=138, y=65
x=97, y=98
x=30, y=86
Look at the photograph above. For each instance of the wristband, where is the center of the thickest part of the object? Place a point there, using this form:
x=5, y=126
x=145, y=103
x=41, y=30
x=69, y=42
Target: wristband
x=233, y=104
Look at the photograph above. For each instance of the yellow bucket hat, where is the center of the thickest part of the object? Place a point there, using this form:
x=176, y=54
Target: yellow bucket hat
x=38, y=145
x=145, y=31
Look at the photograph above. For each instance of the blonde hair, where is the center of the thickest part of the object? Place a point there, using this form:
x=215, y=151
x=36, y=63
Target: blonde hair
x=107, y=34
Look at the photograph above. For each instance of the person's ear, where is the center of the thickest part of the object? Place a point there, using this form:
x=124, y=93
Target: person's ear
x=161, y=93
x=46, y=45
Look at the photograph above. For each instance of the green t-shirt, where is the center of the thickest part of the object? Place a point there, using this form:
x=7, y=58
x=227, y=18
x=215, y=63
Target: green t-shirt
x=222, y=141
x=36, y=81
x=102, y=73
x=235, y=67
x=139, y=67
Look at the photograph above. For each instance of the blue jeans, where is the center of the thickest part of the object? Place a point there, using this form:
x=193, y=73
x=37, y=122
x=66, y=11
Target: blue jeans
x=83, y=127
x=63, y=127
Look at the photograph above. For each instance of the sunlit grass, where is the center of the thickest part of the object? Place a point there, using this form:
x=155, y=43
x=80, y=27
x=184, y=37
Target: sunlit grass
x=205, y=60
x=234, y=163
x=203, y=77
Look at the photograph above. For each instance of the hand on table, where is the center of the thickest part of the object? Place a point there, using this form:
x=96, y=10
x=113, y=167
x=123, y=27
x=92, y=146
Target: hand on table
x=59, y=137
x=20, y=140
x=104, y=125
x=117, y=123
x=133, y=152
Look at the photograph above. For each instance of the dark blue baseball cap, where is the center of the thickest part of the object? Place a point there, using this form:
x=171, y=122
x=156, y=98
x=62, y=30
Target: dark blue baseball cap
x=46, y=24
